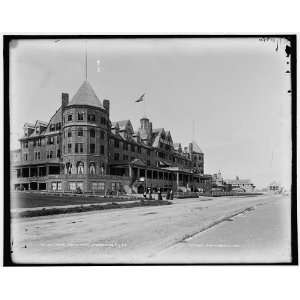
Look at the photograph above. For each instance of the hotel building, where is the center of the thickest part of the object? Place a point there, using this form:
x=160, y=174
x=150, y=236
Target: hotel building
x=81, y=150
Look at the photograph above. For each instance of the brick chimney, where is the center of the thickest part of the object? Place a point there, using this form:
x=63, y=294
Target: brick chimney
x=64, y=100
x=106, y=105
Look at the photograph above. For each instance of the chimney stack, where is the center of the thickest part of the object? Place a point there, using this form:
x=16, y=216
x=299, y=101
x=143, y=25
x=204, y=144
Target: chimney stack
x=106, y=105
x=64, y=100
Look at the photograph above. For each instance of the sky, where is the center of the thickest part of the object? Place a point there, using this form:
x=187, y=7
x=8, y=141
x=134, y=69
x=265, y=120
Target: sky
x=229, y=95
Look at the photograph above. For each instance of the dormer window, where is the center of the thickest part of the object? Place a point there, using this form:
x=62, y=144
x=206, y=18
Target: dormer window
x=80, y=116
x=52, y=127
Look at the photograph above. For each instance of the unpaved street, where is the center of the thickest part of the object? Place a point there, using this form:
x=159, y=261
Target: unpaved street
x=190, y=230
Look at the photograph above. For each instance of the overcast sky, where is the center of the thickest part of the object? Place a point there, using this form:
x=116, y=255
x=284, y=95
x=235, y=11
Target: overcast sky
x=233, y=90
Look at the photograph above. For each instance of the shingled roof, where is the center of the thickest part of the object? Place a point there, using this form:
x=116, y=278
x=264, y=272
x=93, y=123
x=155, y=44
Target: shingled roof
x=85, y=96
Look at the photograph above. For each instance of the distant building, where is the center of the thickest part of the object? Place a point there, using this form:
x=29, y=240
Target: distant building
x=80, y=149
x=241, y=184
x=274, y=187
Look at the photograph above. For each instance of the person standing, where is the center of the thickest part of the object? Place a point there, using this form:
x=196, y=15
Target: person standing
x=159, y=195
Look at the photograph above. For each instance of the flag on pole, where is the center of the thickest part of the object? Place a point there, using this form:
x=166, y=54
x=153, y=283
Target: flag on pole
x=140, y=99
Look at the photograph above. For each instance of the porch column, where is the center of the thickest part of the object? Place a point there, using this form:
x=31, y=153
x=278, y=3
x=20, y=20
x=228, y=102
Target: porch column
x=29, y=172
x=177, y=179
x=130, y=171
x=138, y=172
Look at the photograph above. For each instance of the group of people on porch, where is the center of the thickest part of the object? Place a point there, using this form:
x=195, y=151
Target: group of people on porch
x=149, y=191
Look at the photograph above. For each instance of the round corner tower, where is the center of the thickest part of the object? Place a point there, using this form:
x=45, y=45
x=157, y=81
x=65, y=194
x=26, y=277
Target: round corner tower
x=85, y=137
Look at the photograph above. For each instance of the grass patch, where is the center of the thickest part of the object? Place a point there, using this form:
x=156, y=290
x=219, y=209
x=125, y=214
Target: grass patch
x=32, y=200
x=86, y=208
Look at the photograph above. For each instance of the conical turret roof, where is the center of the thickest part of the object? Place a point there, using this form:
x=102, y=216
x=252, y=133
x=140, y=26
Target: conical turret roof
x=85, y=96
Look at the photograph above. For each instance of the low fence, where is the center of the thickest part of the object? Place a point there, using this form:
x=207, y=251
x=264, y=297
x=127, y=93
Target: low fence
x=181, y=195
x=222, y=194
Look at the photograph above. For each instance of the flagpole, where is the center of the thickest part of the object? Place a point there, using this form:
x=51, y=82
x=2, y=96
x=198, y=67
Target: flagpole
x=85, y=60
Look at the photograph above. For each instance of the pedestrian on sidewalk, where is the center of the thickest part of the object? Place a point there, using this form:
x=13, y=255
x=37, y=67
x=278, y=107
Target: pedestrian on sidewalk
x=171, y=195
x=159, y=195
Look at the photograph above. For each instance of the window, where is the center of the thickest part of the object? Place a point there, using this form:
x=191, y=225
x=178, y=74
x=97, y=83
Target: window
x=58, y=126
x=69, y=148
x=25, y=144
x=69, y=168
x=115, y=186
x=116, y=143
x=70, y=117
x=69, y=132
x=52, y=127
x=102, y=149
x=76, y=185
x=39, y=155
x=92, y=133
x=78, y=148
x=91, y=117
x=125, y=157
x=59, y=186
x=80, y=166
x=50, y=140
x=54, y=186
x=80, y=132
x=148, y=162
x=34, y=143
x=102, y=135
x=58, y=139
x=103, y=121
x=39, y=142
x=148, y=152
x=80, y=116
x=50, y=154
x=92, y=168
x=58, y=153
x=98, y=186
x=92, y=148
x=125, y=146
x=132, y=148
x=139, y=149
x=116, y=156
x=72, y=186
x=35, y=155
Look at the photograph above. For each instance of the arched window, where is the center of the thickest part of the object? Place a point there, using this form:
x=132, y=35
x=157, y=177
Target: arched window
x=80, y=166
x=92, y=168
x=101, y=168
x=69, y=168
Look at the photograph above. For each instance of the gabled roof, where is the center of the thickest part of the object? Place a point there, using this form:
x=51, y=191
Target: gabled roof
x=156, y=133
x=85, y=96
x=123, y=124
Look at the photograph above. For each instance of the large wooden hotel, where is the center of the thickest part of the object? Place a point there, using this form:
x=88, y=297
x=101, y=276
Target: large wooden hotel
x=81, y=150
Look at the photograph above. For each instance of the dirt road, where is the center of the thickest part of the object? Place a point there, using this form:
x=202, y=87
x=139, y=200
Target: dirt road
x=156, y=234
